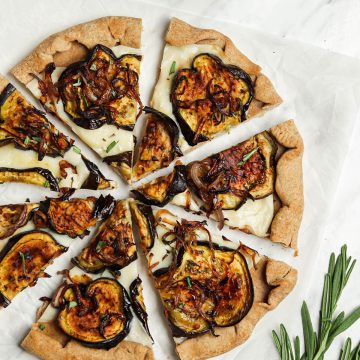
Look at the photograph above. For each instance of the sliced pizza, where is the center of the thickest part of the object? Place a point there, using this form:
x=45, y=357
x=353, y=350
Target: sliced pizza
x=88, y=76
x=34, y=151
x=98, y=312
x=213, y=290
x=208, y=86
x=255, y=186
x=33, y=235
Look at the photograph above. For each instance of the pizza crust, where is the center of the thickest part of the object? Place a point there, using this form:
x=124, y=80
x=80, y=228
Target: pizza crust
x=52, y=344
x=180, y=33
x=3, y=83
x=273, y=281
x=288, y=185
x=72, y=44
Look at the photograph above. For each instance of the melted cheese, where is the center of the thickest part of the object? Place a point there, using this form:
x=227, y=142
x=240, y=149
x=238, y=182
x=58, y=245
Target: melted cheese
x=183, y=56
x=97, y=139
x=15, y=158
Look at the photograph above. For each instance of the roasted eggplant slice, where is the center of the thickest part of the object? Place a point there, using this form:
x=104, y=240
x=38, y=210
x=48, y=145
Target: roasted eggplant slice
x=122, y=163
x=161, y=190
x=146, y=224
x=137, y=302
x=206, y=286
x=113, y=246
x=98, y=315
x=210, y=97
x=13, y=217
x=159, y=145
x=28, y=127
x=102, y=90
x=226, y=180
x=23, y=259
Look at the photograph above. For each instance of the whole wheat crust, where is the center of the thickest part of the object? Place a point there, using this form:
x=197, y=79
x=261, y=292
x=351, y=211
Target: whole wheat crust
x=51, y=344
x=273, y=281
x=72, y=44
x=180, y=33
x=288, y=185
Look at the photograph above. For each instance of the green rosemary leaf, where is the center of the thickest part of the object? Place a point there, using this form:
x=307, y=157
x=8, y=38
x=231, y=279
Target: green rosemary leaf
x=276, y=341
x=41, y=327
x=72, y=304
x=111, y=146
x=26, y=140
x=346, y=350
x=77, y=83
x=100, y=245
x=172, y=68
x=247, y=156
x=93, y=67
x=349, y=271
x=297, y=348
x=46, y=184
x=188, y=281
x=76, y=149
x=37, y=138
x=355, y=353
x=23, y=264
x=287, y=342
x=347, y=322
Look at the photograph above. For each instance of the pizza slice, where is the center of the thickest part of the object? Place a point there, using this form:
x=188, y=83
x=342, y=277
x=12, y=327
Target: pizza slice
x=98, y=312
x=255, y=186
x=34, y=151
x=208, y=86
x=88, y=76
x=33, y=235
x=213, y=290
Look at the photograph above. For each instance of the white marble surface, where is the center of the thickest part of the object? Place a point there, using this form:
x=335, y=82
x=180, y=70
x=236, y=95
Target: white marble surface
x=332, y=25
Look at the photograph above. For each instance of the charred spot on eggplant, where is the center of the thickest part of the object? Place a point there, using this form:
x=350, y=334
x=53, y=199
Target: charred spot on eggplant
x=28, y=128
x=159, y=145
x=98, y=315
x=102, y=90
x=137, y=302
x=96, y=180
x=161, y=190
x=23, y=259
x=113, y=246
x=36, y=176
x=146, y=224
x=13, y=217
x=210, y=97
x=226, y=180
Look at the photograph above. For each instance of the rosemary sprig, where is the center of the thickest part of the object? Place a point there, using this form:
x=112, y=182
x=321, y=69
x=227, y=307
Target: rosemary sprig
x=349, y=354
x=330, y=326
x=247, y=156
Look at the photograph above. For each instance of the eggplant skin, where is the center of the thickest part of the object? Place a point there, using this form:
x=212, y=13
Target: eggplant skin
x=22, y=260
x=122, y=163
x=161, y=191
x=159, y=145
x=103, y=302
x=137, y=302
x=96, y=180
x=210, y=97
x=211, y=287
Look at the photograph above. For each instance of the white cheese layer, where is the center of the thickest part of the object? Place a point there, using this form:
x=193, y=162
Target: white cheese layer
x=182, y=56
x=97, y=139
x=15, y=158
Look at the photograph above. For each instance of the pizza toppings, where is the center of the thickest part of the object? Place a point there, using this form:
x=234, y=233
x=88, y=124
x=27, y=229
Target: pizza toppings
x=205, y=286
x=159, y=145
x=28, y=127
x=226, y=180
x=210, y=97
x=113, y=246
x=97, y=315
x=102, y=90
x=22, y=261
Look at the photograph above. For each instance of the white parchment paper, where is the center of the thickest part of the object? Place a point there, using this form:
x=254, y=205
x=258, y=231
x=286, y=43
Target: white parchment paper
x=321, y=91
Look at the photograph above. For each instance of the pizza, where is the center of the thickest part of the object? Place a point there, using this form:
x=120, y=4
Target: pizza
x=88, y=76
x=34, y=151
x=255, y=186
x=33, y=235
x=213, y=290
x=206, y=86
x=98, y=311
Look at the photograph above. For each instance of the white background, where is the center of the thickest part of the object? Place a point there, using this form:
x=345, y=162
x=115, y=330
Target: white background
x=331, y=25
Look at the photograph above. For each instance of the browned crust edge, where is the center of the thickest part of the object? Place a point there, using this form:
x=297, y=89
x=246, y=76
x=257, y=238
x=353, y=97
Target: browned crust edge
x=49, y=344
x=273, y=281
x=180, y=33
x=288, y=185
x=72, y=44
x=3, y=83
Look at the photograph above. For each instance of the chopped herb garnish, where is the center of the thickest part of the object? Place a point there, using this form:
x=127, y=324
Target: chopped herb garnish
x=46, y=184
x=86, y=102
x=104, y=316
x=100, y=245
x=36, y=138
x=188, y=281
x=181, y=305
x=72, y=304
x=113, y=93
x=23, y=264
x=173, y=68
x=247, y=156
x=41, y=327
x=77, y=83
x=93, y=67
x=111, y=146
x=27, y=140
x=76, y=149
